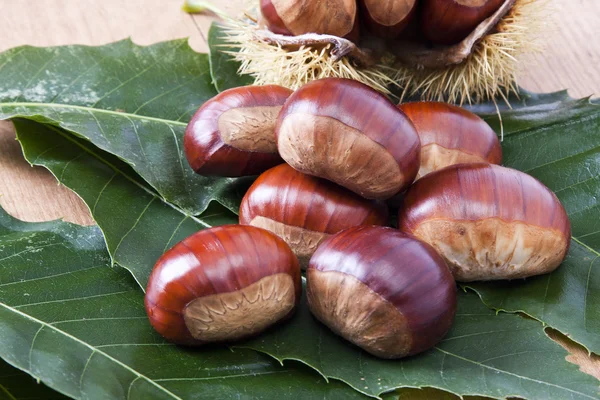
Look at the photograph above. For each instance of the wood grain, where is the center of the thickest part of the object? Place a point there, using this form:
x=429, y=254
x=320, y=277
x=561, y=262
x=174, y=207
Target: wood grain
x=570, y=61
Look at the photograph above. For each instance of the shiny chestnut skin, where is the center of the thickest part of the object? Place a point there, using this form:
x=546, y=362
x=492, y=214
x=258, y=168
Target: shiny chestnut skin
x=304, y=210
x=387, y=18
x=233, y=133
x=221, y=285
x=448, y=22
x=383, y=290
x=348, y=133
x=297, y=17
x=451, y=135
x=488, y=222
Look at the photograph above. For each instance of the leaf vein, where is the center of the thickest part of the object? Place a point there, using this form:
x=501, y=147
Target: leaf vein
x=45, y=324
x=513, y=374
x=90, y=110
x=134, y=224
x=71, y=299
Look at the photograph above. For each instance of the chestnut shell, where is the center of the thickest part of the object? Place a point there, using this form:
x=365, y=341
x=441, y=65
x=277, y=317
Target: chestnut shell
x=488, y=222
x=383, y=290
x=273, y=20
x=448, y=22
x=381, y=16
x=217, y=265
x=249, y=114
x=297, y=17
x=305, y=210
x=346, y=132
x=451, y=135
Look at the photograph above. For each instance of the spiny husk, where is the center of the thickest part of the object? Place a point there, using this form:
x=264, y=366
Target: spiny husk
x=491, y=69
x=272, y=64
x=488, y=73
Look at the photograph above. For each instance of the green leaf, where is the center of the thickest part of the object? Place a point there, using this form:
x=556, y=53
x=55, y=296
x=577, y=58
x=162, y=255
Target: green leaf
x=557, y=140
x=484, y=354
x=137, y=224
x=129, y=100
x=79, y=326
x=17, y=385
x=223, y=67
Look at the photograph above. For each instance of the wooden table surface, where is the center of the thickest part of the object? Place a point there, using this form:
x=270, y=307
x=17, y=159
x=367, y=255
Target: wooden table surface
x=570, y=61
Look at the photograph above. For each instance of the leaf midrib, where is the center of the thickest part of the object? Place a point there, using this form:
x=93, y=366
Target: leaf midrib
x=123, y=174
x=92, y=109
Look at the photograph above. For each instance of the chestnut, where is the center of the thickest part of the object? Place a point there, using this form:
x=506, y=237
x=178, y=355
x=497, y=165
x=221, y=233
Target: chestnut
x=488, y=222
x=297, y=17
x=387, y=18
x=233, y=133
x=222, y=284
x=451, y=135
x=383, y=290
x=448, y=22
x=348, y=133
x=304, y=210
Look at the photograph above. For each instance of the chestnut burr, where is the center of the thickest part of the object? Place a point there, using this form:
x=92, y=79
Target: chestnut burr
x=488, y=222
x=451, y=135
x=383, y=290
x=304, y=210
x=348, y=133
x=233, y=133
x=222, y=284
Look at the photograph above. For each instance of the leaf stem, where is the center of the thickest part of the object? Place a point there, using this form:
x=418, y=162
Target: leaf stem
x=199, y=6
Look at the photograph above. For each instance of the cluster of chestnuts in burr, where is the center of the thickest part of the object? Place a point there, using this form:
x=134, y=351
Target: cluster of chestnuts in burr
x=440, y=22
x=329, y=157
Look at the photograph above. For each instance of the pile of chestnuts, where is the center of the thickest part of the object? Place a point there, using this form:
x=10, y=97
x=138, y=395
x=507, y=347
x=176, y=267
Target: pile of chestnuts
x=330, y=155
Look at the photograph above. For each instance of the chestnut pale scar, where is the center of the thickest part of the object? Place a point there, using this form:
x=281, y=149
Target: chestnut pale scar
x=389, y=12
x=380, y=329
x=250, y=128
x=492, y=249
x=434, y=157
x=234, y=315
x=471, y=3
x=303, y=242
x=330, y=149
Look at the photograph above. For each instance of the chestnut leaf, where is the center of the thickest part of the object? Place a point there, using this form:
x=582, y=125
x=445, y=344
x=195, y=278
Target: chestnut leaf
x=18, y=385
x=497, y=356
x=132, y=101
x=80, y=327
x=138, y=225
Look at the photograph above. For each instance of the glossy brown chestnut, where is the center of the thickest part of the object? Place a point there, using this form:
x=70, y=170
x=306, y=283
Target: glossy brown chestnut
x=488, y=222
x=304, y=210
x=222, y=284
x=383, y=290
x=451, y=135
x=387, y=18
x=233, y=133
x=348, y=133
x=450, y=21
x=296, y=17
